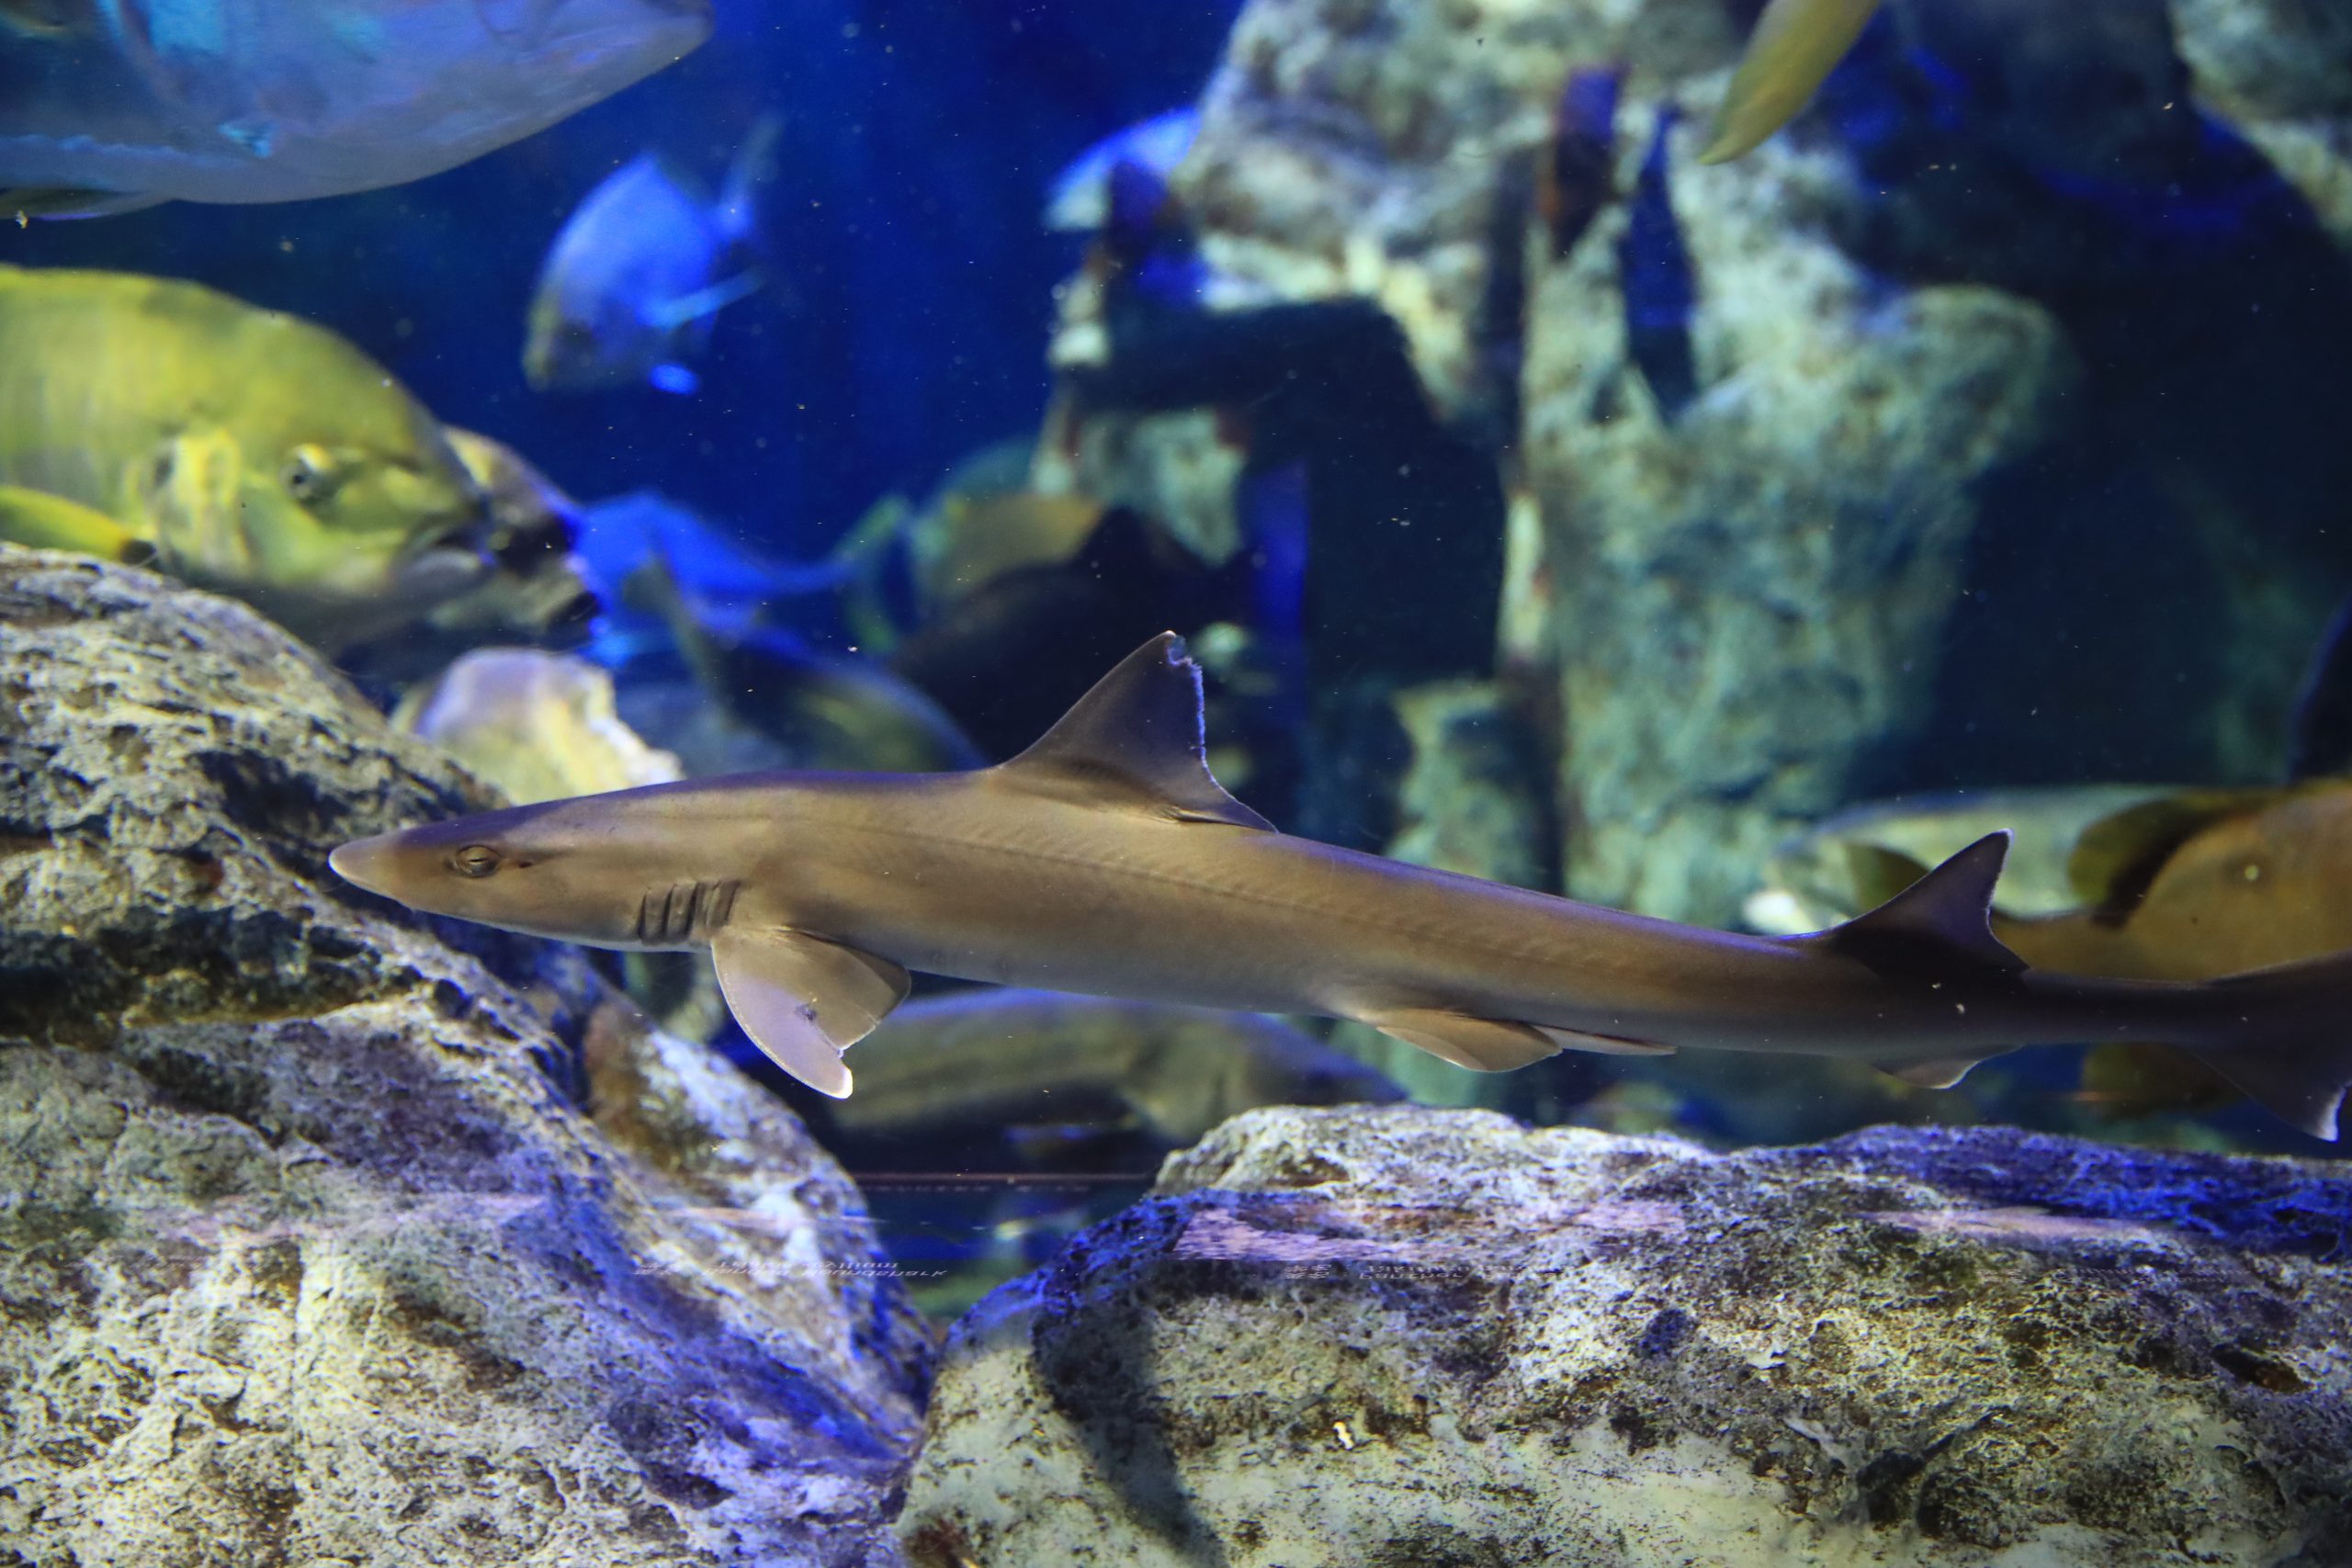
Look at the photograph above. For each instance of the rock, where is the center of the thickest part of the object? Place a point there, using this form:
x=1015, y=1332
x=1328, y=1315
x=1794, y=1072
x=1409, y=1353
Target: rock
x=1406, y=1336
x=1746, y=603
x=1744, y=618
x=539, y=725
x=2281, y=72
x=315, y=1243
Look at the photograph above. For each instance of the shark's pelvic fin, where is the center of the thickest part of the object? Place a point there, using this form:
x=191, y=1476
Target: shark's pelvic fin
x=1481, y=1044
x=1940, y=1073
x=1938, y=928
x=805, y=1001
x=1135, y=739
x=1601, y=1044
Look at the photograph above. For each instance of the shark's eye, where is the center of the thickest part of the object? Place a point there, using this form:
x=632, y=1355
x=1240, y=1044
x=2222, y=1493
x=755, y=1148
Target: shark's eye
x=474, y=859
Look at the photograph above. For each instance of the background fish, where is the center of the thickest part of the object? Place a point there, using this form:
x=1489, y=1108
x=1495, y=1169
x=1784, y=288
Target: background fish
x=993, y=1056
x=799, y=707
x=628, y=290
x=2181, y=886
x=251, y=452
x=1863, y=856
x=1796, y=46
x=723, y=580
x=111, y=104
x=1081, y=198
x=1660, y=288
x=1577, y=170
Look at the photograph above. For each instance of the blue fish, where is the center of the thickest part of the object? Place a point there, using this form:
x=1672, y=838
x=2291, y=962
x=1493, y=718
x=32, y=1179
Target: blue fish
x=109, y=106
x=1579, y=171
x=723, y=582
x=1661, y=290
x=1081, y=199
x=630, y=289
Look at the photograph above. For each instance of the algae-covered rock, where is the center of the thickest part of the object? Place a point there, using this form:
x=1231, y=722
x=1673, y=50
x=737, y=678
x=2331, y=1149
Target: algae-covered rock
x=316, y=1244
x=1406, y=1336
x=1743, y=599
x=2281, y=72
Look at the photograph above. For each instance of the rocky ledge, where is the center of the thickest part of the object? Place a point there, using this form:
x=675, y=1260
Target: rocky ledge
x=331, y=1234
x=1398, y=1336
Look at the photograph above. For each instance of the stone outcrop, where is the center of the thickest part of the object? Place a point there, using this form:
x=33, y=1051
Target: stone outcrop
x=1742, y=601
x=1405, y=1336
x=328, y=1232
x=2281, y=72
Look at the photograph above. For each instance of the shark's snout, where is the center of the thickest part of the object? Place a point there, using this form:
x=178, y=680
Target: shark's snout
x=365, y=862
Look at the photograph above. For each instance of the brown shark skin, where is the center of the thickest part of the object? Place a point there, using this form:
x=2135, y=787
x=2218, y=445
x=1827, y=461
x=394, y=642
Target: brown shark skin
x=977, y=877
x=1106, y=861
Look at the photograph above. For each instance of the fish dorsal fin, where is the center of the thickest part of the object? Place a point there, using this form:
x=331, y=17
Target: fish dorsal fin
x=1135, y=739
x=1939, y=927
x=2118, y=857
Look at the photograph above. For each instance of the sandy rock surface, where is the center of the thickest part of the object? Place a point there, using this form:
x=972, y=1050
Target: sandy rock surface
x=330, y=1234
x=1400, y=1336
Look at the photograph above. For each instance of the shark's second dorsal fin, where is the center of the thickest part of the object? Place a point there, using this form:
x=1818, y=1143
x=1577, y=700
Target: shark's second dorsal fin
x=1136, y=738
x=1939, y=927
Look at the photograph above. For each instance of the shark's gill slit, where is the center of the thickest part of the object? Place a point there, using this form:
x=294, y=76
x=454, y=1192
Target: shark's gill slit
x=686, y=910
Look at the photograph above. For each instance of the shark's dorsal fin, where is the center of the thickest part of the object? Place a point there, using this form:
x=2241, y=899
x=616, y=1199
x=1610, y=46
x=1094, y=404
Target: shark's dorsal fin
x=1135, y=739
x=1938, y=928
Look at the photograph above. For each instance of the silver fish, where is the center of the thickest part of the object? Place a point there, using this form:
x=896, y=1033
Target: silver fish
x=1106, y=860
x=107, y=105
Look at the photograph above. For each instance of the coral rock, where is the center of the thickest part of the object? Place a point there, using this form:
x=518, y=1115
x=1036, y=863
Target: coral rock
x=317, y=1242
x=1406, y=1336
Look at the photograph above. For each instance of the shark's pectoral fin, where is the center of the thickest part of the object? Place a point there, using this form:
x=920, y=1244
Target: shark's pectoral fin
x=805, y=1001
x=1942, y=1072
x=1481, y=1044
x=1135, y=739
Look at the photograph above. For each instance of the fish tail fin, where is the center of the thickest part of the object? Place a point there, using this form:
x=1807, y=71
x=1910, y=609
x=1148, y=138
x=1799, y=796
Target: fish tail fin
x=754, y=166
x=2285, y=1038
x=866, y=561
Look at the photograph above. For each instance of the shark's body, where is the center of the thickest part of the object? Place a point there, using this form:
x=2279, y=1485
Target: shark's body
x=1106, y=860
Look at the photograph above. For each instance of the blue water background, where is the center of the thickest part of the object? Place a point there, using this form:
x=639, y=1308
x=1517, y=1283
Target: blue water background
x=915, y=285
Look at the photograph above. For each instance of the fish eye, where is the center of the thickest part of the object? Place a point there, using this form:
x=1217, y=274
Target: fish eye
x=308, y=475
x=475, y=860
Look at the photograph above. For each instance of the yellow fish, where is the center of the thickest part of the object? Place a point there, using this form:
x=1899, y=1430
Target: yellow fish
x=1796, y=46
x=241, y=449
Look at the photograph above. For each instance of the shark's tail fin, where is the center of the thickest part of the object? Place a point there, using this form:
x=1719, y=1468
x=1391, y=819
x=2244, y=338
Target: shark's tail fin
x=2284, y=1036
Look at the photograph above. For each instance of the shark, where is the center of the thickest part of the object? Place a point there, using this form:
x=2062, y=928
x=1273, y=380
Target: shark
x=1107, y=860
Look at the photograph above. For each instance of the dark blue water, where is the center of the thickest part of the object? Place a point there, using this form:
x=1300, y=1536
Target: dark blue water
x=915, y=278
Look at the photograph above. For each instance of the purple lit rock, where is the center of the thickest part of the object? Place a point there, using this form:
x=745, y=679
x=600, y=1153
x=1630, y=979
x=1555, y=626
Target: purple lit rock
x=331, y=1234
x=1404, y=1335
